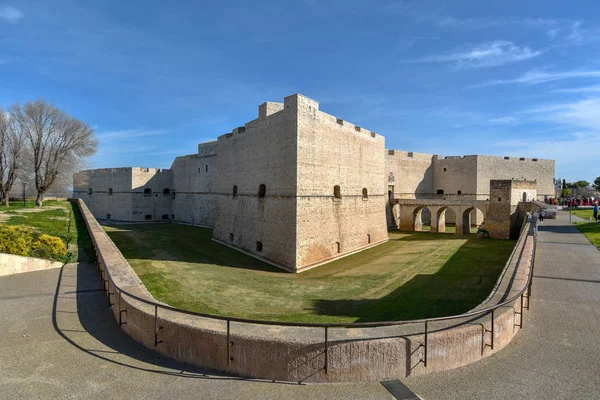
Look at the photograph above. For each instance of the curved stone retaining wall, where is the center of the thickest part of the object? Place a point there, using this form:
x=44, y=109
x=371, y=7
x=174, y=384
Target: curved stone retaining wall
x=12, y=264
x=298, y=353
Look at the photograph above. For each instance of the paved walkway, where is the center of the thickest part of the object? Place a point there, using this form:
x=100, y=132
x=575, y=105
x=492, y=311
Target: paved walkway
x=59, y=340
x=557, y=355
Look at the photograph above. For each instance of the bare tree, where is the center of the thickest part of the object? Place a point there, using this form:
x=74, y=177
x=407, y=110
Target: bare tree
x=59, y=143
x=11, y=154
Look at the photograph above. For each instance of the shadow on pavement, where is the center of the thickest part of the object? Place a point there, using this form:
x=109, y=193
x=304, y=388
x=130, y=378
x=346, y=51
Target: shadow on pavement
x=97, y=321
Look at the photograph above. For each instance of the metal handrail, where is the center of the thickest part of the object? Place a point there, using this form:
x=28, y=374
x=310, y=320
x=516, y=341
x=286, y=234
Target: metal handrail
x=322, y=325
x=326, y=326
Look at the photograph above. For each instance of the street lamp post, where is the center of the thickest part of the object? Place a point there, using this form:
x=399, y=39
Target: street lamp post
x=24, y=193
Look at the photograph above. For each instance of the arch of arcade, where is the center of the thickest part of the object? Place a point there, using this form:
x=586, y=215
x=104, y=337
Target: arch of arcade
x=407, y=213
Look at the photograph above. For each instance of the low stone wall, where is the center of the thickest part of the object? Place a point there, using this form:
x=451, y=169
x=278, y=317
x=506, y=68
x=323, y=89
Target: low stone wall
x=297, y=353
x=12, y=264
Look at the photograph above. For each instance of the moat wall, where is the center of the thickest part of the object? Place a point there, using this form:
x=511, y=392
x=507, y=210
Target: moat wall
x=298, y=354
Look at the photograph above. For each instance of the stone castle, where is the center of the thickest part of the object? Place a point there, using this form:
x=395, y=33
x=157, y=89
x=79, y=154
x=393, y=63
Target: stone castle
x=297, y=187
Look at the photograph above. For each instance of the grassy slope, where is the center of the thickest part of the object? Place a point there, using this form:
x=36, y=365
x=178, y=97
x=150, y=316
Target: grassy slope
x=591, y=230
x=413, y=275
x=585, y=214
x=67, y=225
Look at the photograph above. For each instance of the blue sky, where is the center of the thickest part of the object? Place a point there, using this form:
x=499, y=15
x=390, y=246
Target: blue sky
x=509, y=78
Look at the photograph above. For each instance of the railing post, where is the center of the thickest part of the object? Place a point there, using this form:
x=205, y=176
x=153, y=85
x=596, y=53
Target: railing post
x=425, y=355
x=156, y=329
x=492, y=329
x=326, y=351
x=120, y=319
x=521, y=315
x=228, y=344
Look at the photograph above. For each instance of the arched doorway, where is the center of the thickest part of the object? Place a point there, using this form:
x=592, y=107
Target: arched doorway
x=466, y=220
x=441, y=220
x=421, y=219
x=524, y=197
x=469, y=219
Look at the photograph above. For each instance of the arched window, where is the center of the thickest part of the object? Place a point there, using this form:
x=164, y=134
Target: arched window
x=147, y=192
x=337, y=192
x=368, y=238
x=110, y=191
x=365, y=193
x=258, y=246
x=166, y=192
x=148, y=217
x=262, y=190
x=440, y=191
x=165, y=216
x=234, y=191
x=338, y=247
x=231, y=237
x=107, y=216
x=524, y=196
x=90, y=191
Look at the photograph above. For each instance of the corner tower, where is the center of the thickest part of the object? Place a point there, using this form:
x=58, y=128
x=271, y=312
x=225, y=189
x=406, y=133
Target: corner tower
x=299, y=187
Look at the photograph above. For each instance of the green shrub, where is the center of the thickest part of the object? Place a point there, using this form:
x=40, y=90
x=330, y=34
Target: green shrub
x=49, y=247
x=16, y=240
x=23, y=241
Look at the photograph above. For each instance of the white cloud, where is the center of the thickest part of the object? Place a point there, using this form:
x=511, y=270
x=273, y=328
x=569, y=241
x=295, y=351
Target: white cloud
x=584, y=89
x=571, y=151
x=130, y=133
x=10, y=14
x=581, y=114
x=537, y=76
x=504, y=121
x=488, y=54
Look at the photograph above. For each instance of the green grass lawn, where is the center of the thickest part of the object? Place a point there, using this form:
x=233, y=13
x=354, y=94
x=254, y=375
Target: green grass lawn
x=585, y=214
x=55, y=218
x=449, y=229
x=414, y=275
x=591, y=230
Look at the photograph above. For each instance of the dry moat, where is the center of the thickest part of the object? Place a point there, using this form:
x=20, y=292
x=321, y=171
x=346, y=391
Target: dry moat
x=414, y=275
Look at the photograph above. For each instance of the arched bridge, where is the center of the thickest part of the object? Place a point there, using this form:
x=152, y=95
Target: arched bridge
x=407, y=213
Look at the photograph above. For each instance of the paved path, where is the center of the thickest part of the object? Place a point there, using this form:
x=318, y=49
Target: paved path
x=59, y=340
x=557, y=355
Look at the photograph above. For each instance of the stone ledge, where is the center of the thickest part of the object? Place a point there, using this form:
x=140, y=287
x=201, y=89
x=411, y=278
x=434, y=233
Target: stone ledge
x=13, y=264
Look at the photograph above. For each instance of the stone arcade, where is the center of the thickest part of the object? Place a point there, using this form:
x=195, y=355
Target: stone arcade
x=297, y=187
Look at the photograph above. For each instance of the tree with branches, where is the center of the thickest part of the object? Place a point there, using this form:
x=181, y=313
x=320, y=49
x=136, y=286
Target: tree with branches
x=58, y=143
x=11, y=154
x=596, y=184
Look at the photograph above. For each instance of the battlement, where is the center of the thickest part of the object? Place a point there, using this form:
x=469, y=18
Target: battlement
x=126, y=170
x=300, y=104
x=401, y=155
x=459, y=157
x=107, y=170
x=269, y=108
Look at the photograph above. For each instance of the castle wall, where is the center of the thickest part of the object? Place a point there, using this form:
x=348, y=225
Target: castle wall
x=300, y=154
x=264, y=151
x=195, y=184
x=456, y=176
x=532, y=169
x=503, y=218
x=117, y=205
x=153, y=206
x=408, y=174
x=332, y=152
x=120, y=194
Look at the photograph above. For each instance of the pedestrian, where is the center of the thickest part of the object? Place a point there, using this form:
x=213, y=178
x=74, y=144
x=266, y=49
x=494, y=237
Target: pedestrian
x=596, y=212
x=542, y=215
